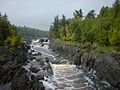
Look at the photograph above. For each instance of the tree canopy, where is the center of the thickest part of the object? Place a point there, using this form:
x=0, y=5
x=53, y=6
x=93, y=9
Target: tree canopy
x=8, y=33
x=28, y=32
x=102, y=29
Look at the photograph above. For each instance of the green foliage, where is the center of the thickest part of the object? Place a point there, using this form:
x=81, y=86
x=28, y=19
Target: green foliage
x=8, y=34
x=90, y=14
x=102, y=29
x=55, y=28
x=116, y=9
x=27, y=32
x=78, y=13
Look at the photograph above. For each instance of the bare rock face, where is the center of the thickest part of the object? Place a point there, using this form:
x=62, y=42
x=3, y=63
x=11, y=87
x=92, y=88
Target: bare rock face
x=22, y=82
x=35, y=84
x=106, y=64
x=11, y=59
x=12, y=74
x=106, y=67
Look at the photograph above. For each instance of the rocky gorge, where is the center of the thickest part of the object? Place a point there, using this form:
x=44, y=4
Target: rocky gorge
x=13, y=76
x=33, y=67
x=103, y=64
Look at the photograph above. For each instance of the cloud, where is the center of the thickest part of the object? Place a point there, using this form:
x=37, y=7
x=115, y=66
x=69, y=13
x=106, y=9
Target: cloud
x=40, y=13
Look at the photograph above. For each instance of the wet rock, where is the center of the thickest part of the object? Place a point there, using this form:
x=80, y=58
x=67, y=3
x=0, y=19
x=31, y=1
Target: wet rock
x=34, y=70
x=37, y=54
x=21, y=81
x=38, y=86
x=77, y=59
x=35, y=84
x=106, y=65
x=48, y=67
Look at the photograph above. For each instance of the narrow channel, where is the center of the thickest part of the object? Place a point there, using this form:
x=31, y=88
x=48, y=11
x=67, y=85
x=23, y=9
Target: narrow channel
x=65, y=75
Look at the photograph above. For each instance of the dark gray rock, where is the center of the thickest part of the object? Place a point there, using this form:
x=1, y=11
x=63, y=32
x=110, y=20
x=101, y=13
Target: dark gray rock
x=34, y=70
x=20, y=81
x=106, y=65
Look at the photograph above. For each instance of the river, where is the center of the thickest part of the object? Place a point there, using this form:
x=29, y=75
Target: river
x=67, y=76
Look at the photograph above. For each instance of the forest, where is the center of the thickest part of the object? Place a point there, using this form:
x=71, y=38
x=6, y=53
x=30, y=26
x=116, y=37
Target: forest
x=11, y=35
x=8, y=33
x=28, y=32
x=101, y=29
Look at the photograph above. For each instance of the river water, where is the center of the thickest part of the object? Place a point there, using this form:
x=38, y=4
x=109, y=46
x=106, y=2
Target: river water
x=67, y=76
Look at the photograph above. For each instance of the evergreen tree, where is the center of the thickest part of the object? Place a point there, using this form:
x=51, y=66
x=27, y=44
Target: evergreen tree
x=78, y=13
x=8, y=33
x=103, y=29
x=91, y=14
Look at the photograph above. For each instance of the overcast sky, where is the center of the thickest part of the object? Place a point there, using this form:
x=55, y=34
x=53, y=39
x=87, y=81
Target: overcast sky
x=40, y=13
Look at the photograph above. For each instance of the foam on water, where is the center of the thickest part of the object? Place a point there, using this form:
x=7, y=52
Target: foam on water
x=61, y=81
x=66, y=76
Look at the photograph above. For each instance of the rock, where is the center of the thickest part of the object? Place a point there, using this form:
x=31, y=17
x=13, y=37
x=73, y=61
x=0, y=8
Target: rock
x=106, y=64
x=10, y=65
x=38, y=86
x=7, y=72
x=11, y=59
x=35, y=84
x=48, y=67
x=116, y=56
x=21, y=81
x=77, y=59
x=34, y=70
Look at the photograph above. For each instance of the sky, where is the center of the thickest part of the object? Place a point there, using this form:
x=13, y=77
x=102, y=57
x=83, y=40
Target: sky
x=40, y=13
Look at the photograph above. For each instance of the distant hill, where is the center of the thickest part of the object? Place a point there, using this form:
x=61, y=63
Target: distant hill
x=28, y=32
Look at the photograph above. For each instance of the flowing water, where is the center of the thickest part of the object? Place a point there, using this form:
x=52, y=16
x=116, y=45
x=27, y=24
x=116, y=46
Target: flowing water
x=67, y=76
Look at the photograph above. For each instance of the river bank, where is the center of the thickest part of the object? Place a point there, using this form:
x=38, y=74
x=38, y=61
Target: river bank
x=11, y=60
x=13, y=75
x=105, y=65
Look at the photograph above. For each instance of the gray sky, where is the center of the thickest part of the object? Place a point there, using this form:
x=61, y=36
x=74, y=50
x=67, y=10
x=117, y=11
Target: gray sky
x=40, y=13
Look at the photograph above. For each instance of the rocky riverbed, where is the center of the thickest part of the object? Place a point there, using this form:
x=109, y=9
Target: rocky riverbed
x=36, y=67
x=11, y=60
x=104, y=65
x=13, y=76
x=60, y=76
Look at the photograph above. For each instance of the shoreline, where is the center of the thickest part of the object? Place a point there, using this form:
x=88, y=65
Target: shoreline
x=106, y=64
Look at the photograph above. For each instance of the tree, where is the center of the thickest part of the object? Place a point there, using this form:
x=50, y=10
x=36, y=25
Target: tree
x=104, y=12
x=78, y=13
x=55, y=28
x=116, y=8
x=91, y=14
x=62, y=26
x=4, y=27
x=8, y=33
x=103, y=29
x=0, y=15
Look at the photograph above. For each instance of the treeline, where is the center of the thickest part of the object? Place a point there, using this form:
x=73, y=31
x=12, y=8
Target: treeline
x=102, y=29
x=28, y=32
x=8, y=33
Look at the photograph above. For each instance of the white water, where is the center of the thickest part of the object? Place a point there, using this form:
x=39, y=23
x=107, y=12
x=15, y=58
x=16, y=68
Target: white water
x=65, y=77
